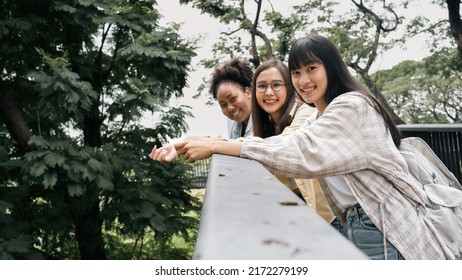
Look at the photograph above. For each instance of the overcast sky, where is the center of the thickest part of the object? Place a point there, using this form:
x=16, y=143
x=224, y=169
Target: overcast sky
x=208, y=119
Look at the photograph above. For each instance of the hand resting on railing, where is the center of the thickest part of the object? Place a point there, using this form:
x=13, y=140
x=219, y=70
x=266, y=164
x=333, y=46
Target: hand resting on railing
x=194, y=148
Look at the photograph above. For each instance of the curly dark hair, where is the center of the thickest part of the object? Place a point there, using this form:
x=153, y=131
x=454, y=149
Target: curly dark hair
x=235, y=71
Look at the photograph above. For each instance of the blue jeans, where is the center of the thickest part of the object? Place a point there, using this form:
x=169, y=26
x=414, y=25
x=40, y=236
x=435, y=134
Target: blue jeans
x=368, y=238
x=339, y=227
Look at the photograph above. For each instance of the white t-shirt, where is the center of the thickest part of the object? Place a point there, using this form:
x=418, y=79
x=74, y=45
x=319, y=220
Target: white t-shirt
x=341, y=191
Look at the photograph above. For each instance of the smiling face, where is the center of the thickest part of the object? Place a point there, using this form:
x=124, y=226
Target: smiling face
x=234, y=102
x=273, y=98
x=310, y=81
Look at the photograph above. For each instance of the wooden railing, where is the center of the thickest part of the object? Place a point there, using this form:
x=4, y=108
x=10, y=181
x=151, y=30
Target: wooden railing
x=249, y=214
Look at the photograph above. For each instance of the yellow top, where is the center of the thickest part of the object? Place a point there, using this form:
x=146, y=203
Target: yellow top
x=309, y=188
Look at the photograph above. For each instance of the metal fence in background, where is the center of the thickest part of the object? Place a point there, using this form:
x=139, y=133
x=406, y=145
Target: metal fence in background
x=199, y=173
x=444, y=139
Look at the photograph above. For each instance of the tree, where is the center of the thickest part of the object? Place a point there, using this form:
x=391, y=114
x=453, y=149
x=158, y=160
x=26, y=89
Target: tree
x=76, y=77
x=427, y=91
x=455, y=22
x=236, y=12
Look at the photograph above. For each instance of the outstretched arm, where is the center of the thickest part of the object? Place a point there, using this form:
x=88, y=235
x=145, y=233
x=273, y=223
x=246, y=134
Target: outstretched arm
x=194, y=150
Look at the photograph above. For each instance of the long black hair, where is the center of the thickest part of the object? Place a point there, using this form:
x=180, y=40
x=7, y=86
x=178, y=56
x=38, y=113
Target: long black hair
x=319, y=49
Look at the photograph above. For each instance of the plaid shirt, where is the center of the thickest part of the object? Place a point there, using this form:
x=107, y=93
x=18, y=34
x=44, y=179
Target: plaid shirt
x=350, y=138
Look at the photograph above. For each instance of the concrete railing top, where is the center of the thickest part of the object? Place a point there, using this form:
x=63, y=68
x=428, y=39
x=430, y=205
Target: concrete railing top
x=248, y=214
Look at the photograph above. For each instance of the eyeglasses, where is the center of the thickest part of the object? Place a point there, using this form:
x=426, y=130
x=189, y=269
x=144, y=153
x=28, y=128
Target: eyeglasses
x=275, y=86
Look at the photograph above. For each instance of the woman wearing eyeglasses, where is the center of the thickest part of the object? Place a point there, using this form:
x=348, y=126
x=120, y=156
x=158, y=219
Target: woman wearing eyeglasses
x=276, y=110
x=274, y=104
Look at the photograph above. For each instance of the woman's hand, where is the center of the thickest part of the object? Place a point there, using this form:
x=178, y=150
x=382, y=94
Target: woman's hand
x=193, y=149
x=164, y=154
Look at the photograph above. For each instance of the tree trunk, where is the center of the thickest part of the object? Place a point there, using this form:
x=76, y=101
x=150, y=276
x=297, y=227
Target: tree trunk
x=14, y=121
x=87, y=221
x=455, y=23
x=88, y=229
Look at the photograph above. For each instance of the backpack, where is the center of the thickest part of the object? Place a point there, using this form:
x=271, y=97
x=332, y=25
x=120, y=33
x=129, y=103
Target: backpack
x=443, y=192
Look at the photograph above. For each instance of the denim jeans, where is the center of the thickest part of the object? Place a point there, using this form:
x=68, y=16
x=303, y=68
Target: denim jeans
x=339, y=227
x=367, y=237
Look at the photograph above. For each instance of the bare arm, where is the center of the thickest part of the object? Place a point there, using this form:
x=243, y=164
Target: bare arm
x=194, y=150
x=168, y=153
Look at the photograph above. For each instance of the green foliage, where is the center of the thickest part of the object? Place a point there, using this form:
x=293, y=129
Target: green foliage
x=70, y=95
x=15, y=241
x=427, y=91
x=83, y=73
x=285, y=28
